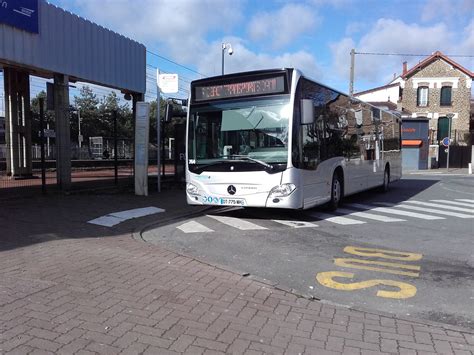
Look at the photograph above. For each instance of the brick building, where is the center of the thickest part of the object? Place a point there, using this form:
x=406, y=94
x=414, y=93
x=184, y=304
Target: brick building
x=434, y=94
x=432, y=89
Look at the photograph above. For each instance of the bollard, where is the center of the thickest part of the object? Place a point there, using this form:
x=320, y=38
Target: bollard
x=469, y=169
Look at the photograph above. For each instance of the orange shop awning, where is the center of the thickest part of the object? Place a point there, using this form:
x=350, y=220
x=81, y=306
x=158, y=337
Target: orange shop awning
x=411, y=142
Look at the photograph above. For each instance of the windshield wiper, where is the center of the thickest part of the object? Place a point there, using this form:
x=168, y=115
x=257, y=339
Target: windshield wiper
x=246, y=157
x=202, y=167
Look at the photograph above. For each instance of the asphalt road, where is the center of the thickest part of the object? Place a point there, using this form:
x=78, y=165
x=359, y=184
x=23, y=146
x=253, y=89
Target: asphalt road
x=412, y=260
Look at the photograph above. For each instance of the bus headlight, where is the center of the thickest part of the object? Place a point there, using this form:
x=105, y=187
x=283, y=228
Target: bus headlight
x=192, y=189
x=282, y=190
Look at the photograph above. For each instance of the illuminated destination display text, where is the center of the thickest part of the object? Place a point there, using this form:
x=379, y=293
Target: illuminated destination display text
x=273, y=85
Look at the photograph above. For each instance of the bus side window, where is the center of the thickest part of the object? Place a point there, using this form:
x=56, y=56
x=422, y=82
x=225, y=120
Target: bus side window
x=351, y=147
x=311, y=147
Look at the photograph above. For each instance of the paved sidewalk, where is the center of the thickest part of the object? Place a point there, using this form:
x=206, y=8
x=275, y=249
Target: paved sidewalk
x=69, y=287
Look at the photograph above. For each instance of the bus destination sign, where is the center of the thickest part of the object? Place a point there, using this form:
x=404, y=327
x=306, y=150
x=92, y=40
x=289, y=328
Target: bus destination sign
x=274, y=85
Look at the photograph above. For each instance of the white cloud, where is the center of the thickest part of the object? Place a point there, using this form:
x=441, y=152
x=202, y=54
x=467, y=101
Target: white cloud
x=446, y=9
x=341, y=57
x=355, y=27
x=466, y=47
x=334, y=3
x=243, y=59
x=209, y=60
x=283, y=25
x=161, y=19
x=394, y=36
x=178, y=26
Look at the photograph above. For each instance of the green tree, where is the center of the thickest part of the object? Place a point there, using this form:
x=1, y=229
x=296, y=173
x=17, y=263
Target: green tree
x=87, y=105
x=35, y=122
x=167, y=128
x=107, y=106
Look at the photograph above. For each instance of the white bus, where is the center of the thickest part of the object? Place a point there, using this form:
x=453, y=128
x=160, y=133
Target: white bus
x=277, y=139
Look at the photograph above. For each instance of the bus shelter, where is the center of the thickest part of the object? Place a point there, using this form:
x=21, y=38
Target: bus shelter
x=43, y=40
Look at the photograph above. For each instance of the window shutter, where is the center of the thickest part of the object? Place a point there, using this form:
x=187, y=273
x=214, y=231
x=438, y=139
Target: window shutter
x=445, y=96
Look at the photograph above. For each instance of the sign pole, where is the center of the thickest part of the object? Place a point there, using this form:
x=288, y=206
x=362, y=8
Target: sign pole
x=158, y=131
x=168, y=84
x=449, y=142
x=43, y=162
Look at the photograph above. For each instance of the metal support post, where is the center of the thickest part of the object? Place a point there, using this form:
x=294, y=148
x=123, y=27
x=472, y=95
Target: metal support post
x=114, y=115
x=351, y=80
x=450, y=117
x=63, y=135
x=223, y=50
x=163, y=157
x=158, y=132
x=43, y=163
x=79, y=137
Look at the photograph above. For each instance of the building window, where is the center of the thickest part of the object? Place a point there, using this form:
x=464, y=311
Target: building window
x=445, y=99
x=422, y=97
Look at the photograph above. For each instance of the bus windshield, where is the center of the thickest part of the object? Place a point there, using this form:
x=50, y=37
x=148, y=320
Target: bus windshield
x=254, y=133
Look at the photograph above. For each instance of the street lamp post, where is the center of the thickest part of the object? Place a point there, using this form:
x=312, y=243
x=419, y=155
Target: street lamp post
x=225, y=46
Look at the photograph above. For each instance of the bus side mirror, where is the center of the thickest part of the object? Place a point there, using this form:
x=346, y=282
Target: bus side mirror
x=307, y=111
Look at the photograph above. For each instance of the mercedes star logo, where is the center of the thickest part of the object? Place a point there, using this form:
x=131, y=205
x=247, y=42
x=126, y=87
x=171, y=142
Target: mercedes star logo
x=231, y=189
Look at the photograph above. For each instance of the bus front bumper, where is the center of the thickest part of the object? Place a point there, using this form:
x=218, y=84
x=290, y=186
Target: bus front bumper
x=280, y=196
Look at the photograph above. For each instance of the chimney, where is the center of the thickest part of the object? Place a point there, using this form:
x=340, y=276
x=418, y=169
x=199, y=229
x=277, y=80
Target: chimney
x=404, y=71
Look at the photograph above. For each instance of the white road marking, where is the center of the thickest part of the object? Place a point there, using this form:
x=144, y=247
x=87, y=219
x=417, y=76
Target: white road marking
x=455, y=203
x=336, y=219
x=436, y=173
x=194, y=227
x=369, y=215
x=106, y=221
x=296, y=224
x=429, y=204
x=115, y=218
x=425, y=209
x=237, y=223
x=137, y=212
x=465, y=200
x=395, y=211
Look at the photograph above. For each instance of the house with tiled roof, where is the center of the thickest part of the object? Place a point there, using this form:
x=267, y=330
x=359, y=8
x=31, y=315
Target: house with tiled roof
x=436, y=91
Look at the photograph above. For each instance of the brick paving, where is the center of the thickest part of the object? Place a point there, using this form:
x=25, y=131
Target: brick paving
x=113, y=294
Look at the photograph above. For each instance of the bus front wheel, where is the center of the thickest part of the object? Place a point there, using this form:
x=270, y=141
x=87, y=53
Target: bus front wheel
x=336, y=192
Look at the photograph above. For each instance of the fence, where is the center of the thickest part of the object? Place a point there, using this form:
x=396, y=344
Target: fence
x=97, y=161
x=31, y=163
x=458, y=137
x=459, y=156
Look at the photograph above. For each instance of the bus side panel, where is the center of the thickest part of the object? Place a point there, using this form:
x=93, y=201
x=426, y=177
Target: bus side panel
x=355, y=176
x=316, y=184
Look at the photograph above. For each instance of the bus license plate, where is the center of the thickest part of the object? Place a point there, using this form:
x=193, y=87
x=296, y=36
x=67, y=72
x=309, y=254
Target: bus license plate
x=232, y=201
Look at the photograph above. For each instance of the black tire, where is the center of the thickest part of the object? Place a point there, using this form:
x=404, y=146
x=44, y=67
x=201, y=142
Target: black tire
x=336, y=192
x=386, y=180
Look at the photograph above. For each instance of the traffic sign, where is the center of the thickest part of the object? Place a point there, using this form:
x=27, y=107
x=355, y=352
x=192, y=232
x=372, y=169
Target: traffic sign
x=445, y=141
x=48, y=133
x=168, y=83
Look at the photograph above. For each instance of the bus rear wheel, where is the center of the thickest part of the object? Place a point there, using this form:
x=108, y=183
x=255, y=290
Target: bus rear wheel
x=336, y=192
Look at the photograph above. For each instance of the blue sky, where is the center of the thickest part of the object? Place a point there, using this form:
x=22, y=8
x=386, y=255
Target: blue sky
x=314, y=35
